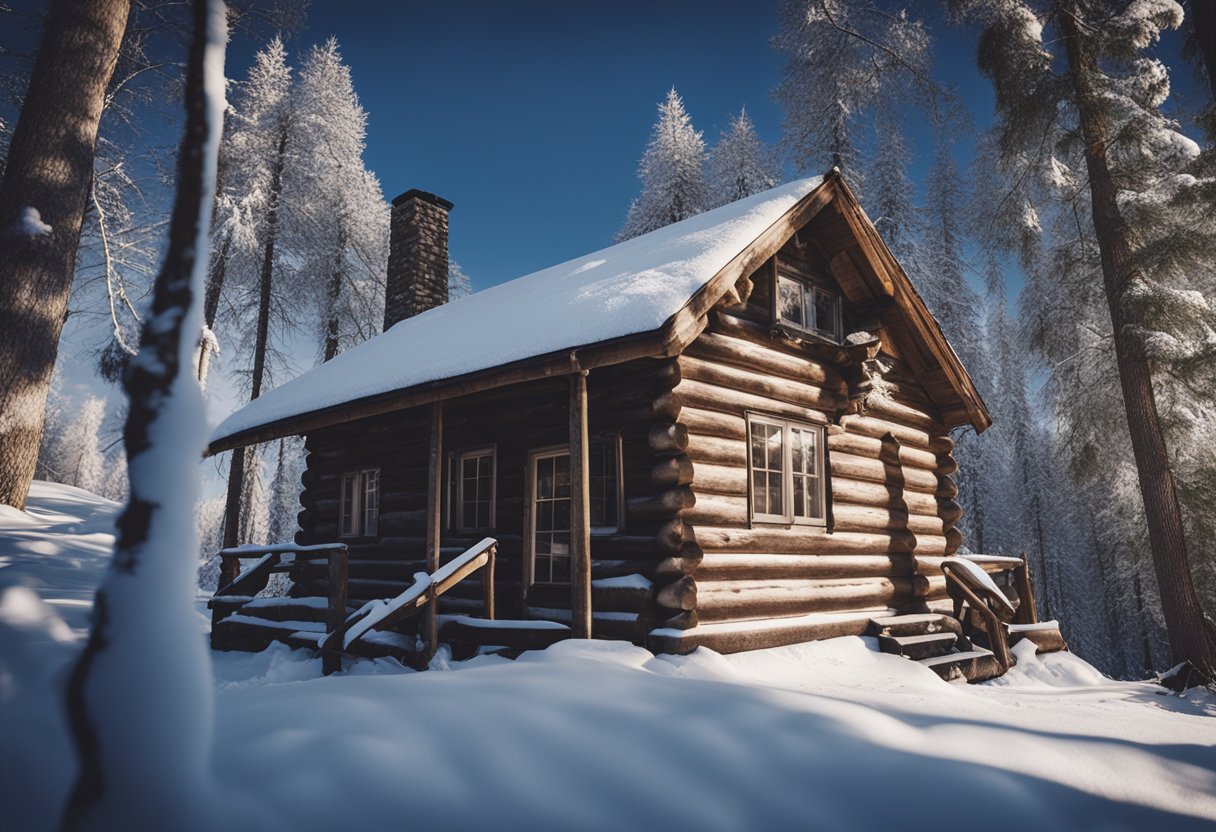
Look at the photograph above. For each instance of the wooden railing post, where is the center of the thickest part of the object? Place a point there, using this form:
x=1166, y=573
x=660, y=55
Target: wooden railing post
x=434, y=528
x=1028, y=610
x=335, y=619
x=487, y=583
x=580, y=510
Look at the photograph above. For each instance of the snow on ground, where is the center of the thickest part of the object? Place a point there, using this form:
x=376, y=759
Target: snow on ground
x=604, y=735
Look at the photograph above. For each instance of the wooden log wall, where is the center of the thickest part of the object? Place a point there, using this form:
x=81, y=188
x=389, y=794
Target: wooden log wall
x=686, y=526
x=515, y=421
x=888, y=476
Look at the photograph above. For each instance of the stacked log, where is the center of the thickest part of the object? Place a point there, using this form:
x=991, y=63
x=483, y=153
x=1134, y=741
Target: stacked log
x=888, y=470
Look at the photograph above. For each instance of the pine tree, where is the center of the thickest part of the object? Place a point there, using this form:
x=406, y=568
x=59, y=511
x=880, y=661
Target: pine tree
x=255, y=502
x=285, y=493
x=843, y=58
x=892, y=191
x=459, y=284
x=82, y=460
x=939, y=271
x=672, y=171
x=1130, y=266
x=335, y=213
x=258, y=148
x=740, y=164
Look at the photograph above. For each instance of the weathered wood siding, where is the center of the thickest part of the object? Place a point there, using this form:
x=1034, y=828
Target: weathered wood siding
x=890, y=491
x=515, y=420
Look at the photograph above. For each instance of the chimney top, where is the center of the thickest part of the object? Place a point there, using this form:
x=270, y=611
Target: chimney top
x=415, y=193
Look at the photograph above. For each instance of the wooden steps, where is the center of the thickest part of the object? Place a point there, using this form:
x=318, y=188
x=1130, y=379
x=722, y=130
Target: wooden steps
x=937, y=642
x=254, y=624
x=971, y=666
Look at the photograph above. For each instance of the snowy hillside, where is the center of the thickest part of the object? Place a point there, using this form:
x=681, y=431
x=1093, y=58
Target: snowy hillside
x=831, y=735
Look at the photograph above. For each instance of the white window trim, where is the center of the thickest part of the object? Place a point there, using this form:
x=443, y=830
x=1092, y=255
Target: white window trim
x=457, y=471
x=357, y=526
x=809, y=289
x=788, y=518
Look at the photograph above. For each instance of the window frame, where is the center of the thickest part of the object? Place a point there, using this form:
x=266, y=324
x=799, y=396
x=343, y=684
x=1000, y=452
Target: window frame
x=788, y=517
x=614, y=440
x=358, y=524
x=530, y=483
x=809, y=290
x=530, y=503
x=456, y=476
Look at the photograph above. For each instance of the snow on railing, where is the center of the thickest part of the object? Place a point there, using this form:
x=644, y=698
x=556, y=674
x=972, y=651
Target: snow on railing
x=380, y=613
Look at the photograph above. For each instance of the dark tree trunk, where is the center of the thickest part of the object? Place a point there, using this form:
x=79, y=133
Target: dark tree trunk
x=236, y=468
x=1203, y=26
x=1190, y=638
x=334, y=293
x=154, y=386
x=49, y=170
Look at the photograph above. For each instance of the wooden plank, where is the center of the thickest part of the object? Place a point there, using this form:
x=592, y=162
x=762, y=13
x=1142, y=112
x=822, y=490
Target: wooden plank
x=335, y=619
x=580, y=510
x=434, y=526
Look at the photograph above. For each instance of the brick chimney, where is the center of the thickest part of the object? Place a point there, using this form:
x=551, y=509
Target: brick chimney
x=417, y=256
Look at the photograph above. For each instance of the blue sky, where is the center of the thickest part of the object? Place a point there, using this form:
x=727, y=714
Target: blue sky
x=531, y=116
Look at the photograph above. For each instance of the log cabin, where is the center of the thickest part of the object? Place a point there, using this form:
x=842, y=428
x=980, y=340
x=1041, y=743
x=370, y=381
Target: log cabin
x=732, y=432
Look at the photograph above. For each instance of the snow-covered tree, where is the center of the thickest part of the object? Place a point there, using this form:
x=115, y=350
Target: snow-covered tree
x=672, y=171
x=255, y=501
x=154, y=737
x=459, y=284
x=1103, y=177
x=256, y=150
x=843, y=57
x=81, y=460
x=740, y=164
x=285, y=492
x=335, y=212
x=892, y=192
x=115, y=484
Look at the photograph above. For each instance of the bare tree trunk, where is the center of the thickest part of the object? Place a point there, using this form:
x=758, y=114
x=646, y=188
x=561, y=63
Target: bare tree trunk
x=125, y=729
x=1190, y=638
x=46, y=184
x=236, y=468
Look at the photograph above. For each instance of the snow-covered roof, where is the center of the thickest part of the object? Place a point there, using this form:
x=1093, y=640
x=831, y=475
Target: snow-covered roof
x=626, y=289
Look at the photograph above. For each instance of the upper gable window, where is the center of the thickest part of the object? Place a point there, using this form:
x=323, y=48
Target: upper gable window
x=808, y=307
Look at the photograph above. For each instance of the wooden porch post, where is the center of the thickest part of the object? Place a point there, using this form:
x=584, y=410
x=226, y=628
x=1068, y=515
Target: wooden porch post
x=580, y=510
x=434, y=528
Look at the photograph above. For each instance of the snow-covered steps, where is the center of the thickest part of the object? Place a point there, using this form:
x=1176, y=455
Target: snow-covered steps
x=914, y=625
x=937, y=642
x=977, y=665
x=274, y=609
x=919, y=647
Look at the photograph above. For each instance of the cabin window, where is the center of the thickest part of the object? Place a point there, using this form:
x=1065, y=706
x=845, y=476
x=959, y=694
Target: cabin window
x=785, y=461
x=475, y=490
x=550, y=525
x=808, y=307
x=360, y=503
x=551, y=517
x=604, y=475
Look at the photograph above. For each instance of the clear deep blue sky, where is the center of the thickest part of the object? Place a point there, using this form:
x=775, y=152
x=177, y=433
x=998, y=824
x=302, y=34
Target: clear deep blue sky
x=531, y=116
